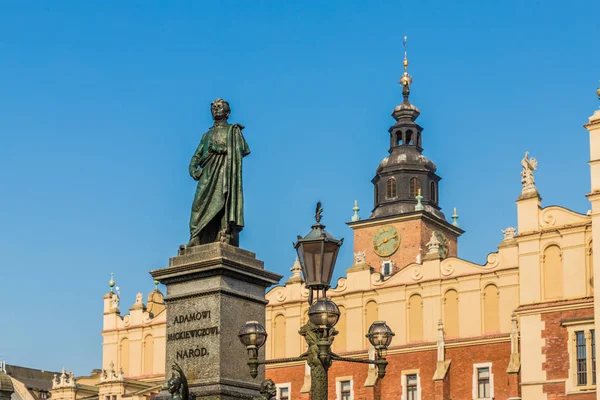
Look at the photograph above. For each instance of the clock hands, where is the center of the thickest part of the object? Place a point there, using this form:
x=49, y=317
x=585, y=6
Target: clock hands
x=387, y=239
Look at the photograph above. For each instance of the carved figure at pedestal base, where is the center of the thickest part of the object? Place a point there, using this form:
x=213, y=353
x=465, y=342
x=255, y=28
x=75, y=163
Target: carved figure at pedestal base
x=178, y=385
x=268, y=390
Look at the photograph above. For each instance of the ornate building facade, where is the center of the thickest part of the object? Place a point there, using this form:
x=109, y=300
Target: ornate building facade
x=519, y=326
x=133, y=354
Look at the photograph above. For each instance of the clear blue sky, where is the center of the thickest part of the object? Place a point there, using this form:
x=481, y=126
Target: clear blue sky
x=103, y=103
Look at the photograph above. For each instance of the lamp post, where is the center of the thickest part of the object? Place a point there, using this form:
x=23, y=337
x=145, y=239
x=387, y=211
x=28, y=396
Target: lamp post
x=317, y=253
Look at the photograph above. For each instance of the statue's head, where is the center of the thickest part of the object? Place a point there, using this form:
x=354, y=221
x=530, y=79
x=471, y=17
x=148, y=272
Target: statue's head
x=268, y=389
x=220, y=109
x=174, y=384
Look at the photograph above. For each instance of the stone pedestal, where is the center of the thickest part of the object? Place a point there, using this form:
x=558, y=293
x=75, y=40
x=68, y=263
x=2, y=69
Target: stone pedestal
x=212, y=290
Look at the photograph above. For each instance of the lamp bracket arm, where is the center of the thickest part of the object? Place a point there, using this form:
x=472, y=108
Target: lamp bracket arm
x=350, y=359
x=282, y=360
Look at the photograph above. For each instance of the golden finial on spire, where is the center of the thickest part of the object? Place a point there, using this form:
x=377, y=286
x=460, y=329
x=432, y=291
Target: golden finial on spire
x=406, y=79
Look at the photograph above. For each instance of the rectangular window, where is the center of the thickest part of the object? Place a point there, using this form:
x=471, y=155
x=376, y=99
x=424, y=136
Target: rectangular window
x=411, y=387
x=345, y=390
x=581, y=359
x=483, y=383
x=284, y=393
x=593, y=334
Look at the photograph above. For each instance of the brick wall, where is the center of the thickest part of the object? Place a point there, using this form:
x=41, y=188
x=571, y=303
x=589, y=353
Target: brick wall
x=556, y=351
x=457, y=385
x=414, y=234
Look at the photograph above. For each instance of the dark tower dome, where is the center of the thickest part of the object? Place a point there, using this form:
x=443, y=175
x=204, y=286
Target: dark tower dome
x=406, y=172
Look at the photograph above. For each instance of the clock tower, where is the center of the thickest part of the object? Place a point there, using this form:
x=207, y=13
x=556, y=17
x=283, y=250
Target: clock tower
x=406, y=214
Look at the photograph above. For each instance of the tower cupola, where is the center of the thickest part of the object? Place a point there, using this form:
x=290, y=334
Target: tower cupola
x=406, y=171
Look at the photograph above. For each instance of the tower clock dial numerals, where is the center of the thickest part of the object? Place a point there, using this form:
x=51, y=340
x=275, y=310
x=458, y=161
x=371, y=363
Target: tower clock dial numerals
x=386, y=241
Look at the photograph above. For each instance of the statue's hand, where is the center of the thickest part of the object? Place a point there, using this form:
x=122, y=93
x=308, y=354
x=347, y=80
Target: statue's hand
x=197, y=173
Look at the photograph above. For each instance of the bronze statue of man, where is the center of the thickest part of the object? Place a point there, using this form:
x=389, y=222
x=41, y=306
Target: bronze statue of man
x=218, y=207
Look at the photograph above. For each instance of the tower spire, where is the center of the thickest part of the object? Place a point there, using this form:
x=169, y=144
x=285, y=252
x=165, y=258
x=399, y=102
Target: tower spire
x=406, y=79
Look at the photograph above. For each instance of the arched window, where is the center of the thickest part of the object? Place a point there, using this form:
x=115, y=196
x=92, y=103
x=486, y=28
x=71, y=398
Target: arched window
x=390, y=189
x=124, y=359
x=399, y=138
x=148, y=355
x=339, y=344
x=414, y=187
x=410, y=139
x=433, y=193
x=590, y=264
x=279, y=337
x=552, y=272
x=415, y=318
x=451, y=313
x=491, y=309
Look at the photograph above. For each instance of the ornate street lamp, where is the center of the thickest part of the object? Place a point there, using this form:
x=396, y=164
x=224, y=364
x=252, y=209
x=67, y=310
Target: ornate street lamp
x=253, y=335
x=317, y=253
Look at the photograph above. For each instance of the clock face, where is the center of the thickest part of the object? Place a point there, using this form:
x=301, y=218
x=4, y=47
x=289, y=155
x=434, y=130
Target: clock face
x=386, y=241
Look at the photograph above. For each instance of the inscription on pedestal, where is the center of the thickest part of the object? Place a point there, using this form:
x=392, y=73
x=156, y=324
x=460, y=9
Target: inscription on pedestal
x=193, y=336
x=184, y=320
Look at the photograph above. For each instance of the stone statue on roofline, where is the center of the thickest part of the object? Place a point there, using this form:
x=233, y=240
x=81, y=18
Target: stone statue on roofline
x=218, y=206
x=529, y=165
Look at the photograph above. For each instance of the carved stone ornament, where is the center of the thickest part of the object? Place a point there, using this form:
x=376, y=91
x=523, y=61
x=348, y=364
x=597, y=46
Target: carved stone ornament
x=360, y=257
x=529, y=165
x=509, y=233
x=114, y=301
x=437, y=244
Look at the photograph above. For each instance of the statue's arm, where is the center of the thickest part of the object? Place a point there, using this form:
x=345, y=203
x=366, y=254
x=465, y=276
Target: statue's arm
x=244, y=148
x=196, y=160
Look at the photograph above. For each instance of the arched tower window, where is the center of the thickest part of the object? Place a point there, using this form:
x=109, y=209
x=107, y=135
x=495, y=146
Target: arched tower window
x=433, y=193
x=491, y=309
x=390, y=188
x=399, y=138
x=415, y=318
x=552, y=272
x=410, y=138
x=279, y=337
x=148, y=355
x=414, y=187
x=124, y=359
x=451, y=313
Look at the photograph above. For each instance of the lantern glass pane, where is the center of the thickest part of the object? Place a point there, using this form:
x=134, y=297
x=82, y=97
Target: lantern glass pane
x=329, y=259
x=311, y=268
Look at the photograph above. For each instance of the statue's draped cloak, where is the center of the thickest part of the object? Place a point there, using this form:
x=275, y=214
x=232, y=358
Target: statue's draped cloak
x=219, y=191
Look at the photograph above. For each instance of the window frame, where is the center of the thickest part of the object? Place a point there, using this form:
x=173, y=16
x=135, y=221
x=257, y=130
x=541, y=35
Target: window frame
x=476, y=368
x=288, y=386
x=391, y=188
x=586, y=326
x=404, y=383
x=338, y=386
x=416, y=189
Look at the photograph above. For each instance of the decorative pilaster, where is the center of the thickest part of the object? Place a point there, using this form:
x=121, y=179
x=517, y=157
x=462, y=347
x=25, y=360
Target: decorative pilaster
x=593, y=127
x=442, y=364
x=515, y=357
